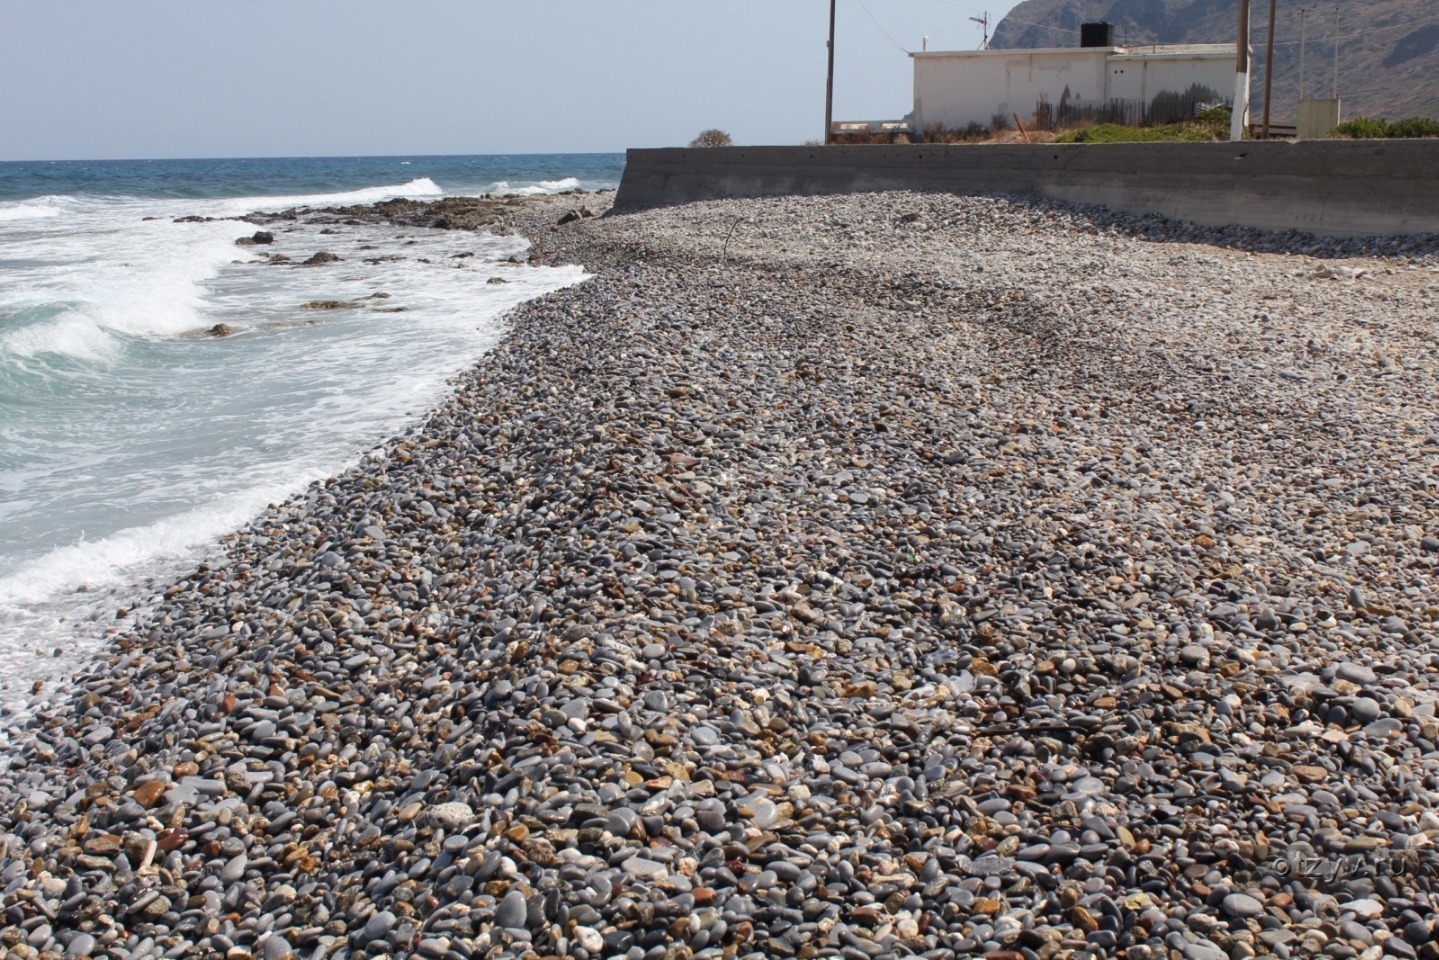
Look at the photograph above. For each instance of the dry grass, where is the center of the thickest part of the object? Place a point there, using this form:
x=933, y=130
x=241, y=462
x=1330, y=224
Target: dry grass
x=978, y=133
x=974, y=133
x=871, y=137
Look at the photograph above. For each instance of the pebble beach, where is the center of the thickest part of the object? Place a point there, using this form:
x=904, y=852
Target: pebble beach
x=885, y=575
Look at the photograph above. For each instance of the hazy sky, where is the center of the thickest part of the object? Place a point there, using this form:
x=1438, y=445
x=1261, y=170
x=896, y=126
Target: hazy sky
x=89, y=79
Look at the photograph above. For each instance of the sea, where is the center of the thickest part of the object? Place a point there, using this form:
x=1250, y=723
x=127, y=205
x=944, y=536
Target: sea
x=132, y=440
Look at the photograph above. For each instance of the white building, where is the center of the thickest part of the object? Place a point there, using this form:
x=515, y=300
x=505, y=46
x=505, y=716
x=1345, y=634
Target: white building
x=1151, y=84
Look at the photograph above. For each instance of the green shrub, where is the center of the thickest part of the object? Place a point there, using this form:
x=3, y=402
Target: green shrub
x=1216, y=117
x=1362, y=128
x=1414, y=127
x=1118, y=133
x=1368, y=128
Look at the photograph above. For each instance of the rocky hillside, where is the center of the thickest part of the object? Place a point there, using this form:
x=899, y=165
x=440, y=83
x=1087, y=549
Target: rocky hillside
x=1388, y=50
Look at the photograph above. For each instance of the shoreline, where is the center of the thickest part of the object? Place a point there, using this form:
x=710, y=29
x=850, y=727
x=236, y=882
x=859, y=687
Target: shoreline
x=77, y=561
x=825, y=576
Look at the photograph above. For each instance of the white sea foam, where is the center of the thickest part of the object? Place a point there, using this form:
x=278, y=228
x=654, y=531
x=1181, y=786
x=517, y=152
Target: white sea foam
x=118, y=277
x=10, y=213
x=160, y=292
x=121, y=267
x=112, y=560
x=73, y=336
x=539, y=188
x=419, y=188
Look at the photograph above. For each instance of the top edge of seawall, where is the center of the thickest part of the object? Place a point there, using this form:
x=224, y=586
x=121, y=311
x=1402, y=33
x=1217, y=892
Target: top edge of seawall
x=1415, y=149
x=1327, y=187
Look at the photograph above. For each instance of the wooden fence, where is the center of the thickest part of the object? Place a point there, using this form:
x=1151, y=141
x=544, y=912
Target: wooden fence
x=1167, y=107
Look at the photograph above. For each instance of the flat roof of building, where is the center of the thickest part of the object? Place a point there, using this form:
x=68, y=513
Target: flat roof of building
x=1148, y=51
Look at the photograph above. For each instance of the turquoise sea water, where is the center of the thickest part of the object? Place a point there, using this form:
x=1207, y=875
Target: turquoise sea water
x=130, y=440
x=303, y=176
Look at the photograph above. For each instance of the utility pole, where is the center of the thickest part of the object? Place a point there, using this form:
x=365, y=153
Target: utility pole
x=1241, y=77
x=829, y=83
x=983, y=22
x=1269, y=68
x=1302, y=12
x=1336, y=53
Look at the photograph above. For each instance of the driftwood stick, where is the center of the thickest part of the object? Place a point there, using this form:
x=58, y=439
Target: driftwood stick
x=724, y=254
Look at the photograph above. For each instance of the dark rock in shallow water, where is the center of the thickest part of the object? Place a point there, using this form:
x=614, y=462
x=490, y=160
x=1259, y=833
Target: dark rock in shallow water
x=450, y=213
x=320, y=259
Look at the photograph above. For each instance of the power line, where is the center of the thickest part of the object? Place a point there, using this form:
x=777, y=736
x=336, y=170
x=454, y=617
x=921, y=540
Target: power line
x=1403, y=24
x=959, y=6
x=1363, y=33
x=1007, y=19
x=882, y=30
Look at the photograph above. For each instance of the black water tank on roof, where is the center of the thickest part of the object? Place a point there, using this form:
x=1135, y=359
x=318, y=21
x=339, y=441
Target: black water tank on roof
x=1096, y=35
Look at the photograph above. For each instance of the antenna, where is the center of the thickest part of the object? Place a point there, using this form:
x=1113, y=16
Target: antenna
x=983, y=22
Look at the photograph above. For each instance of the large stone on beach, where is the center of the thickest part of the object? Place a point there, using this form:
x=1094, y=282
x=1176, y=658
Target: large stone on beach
x=452, y=816
x=512, y=911
x=1355, y=673
x=642, y=868
x=1242, y=905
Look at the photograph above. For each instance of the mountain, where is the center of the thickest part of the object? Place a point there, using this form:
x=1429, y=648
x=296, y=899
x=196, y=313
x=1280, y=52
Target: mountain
x=1388, y=49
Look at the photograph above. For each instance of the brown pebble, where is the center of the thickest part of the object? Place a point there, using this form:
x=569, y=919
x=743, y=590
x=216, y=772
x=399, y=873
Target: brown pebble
x=149, y=793
x=172, y=840
x=105, y=845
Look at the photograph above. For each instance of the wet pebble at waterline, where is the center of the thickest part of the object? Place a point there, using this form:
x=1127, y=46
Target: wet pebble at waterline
x=847, y=577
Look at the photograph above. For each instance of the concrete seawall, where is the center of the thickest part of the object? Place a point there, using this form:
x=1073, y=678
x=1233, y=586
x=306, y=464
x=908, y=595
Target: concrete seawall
x=1327, y=187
